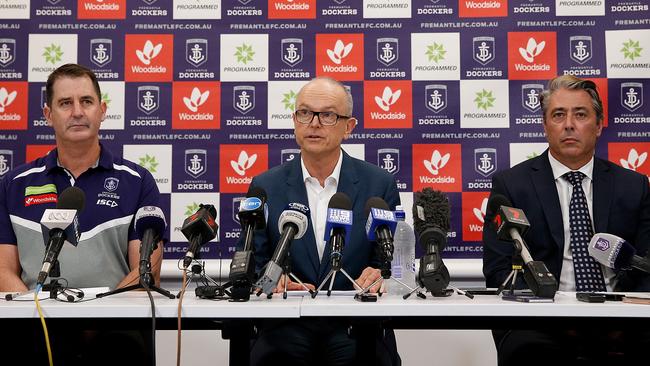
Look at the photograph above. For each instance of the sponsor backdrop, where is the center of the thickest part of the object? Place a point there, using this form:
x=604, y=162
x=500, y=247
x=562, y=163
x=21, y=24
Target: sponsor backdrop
x=200, y=92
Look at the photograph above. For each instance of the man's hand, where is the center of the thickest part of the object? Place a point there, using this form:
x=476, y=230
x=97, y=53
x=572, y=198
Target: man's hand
x=291, y=286
x=368, y=276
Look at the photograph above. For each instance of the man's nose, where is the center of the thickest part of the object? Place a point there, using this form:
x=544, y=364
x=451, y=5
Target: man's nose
x=76, y=109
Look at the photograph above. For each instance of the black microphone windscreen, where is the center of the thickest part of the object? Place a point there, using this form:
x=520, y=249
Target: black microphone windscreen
x=256, y=192
x=375, y=202
x=497, y=201
x=211, y=210
x=435, y=210
x=72, y=198
x=341, y=201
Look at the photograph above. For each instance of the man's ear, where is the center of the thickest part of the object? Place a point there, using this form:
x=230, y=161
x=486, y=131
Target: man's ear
x=350, y=124
x=47, y=113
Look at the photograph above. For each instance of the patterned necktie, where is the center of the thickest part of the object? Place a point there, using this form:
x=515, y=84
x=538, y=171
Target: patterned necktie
x=588, y=274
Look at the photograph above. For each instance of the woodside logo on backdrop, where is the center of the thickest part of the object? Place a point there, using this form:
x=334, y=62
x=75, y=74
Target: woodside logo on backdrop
x=149, y=57
x=13, y=105
x=196, y=105
x=340, y=56
x=437, y=166
x=292, y=9
x=388, y=104
x=101, y=9
x=238, y=164
x=532, y=55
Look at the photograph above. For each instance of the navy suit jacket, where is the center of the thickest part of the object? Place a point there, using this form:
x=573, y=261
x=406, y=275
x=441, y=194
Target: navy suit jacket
x=284, y=184
x=621, y=206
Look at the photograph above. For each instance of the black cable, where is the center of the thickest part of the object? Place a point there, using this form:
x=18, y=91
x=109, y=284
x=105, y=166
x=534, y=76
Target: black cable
x=153, y=323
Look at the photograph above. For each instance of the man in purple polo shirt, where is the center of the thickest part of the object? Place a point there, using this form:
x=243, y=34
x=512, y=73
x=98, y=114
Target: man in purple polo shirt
x=107, y=254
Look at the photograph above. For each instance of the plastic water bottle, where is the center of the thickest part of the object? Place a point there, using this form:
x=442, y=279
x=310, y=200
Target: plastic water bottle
x=403, y=264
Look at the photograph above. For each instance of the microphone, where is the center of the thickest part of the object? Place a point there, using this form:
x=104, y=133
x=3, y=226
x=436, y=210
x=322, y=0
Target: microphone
x=293, y=223
x=338, y=227
x=511, y=223
x=149, y=225
x=616, y=253
x=431, y=223
x=252, y=215
x=199, y=229
x=60, y=226
x=380, y=225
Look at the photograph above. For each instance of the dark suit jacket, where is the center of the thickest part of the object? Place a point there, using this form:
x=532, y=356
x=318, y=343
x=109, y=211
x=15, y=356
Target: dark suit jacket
x=284, y=184
x=621, y=206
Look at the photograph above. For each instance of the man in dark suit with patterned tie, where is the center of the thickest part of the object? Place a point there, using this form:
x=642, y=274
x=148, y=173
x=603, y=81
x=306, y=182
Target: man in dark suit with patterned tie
x=567, y=195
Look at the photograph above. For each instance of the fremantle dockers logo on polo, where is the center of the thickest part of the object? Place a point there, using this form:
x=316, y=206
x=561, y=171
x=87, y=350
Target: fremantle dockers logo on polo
x=435, y=97
x=6, y=161
x=483, y=50
x=291, y=51
x=287, y=155
x=195, y=162
x=7, y=51
x=148, y=99
x=101, y=51
x=243, y=98
x=485, y=161
x=111, y=183
x=387, y=50
x=580, y=49
x=632, y=96
x=388, y=159
x=530, y=96
x=196, y=51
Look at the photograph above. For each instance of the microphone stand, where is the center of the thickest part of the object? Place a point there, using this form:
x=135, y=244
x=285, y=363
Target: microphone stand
x=517, y=267
x=332, y=276
x=146, y=281
x=286, y=271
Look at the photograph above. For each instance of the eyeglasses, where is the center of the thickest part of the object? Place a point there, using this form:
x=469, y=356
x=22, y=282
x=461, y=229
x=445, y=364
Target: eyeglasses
x=305, y=116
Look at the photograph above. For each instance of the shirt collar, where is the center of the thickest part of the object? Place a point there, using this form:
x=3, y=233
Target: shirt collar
x=336, y=173
x=105, y=159
x=560, y=169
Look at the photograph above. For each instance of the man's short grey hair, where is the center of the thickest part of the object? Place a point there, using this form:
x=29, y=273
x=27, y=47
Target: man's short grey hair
x=571, y=82
x=346, y=89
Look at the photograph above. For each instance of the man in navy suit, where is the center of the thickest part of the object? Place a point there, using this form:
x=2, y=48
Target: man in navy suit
x=322, y=120
x=618, y=203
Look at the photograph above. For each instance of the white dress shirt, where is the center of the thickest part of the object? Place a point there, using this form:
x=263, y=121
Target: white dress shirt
x=564, y=191
x=319, y=198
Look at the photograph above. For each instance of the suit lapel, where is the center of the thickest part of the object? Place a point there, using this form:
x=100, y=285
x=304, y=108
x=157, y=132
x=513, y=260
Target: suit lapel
x=603, y=185
x=347, y=184
x=544, y=183
x=297, y=192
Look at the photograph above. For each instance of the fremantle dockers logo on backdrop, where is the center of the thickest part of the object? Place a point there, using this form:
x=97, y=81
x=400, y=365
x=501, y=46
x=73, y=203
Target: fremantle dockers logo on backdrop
x=236, y=201
x=101, y=51
x=287, y=155
x=6, y=161
x=387, y=50
x=339, y=1
x=435, y=97
x=195, y=162
x=243, y=98
x=111, y=183
x=149, y=2
x=388, y=159
x=580, y=49
x=148, y=99
x=530, y=96
x=485, y=161
x=632, y=96
x=7, y=51
x=196, y=51
x=483, y=50
x=53, y=2
x=244, y=2
x=291, y=51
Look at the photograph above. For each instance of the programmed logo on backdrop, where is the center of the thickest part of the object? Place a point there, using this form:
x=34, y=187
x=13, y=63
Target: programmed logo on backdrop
x=484, y=105
x=149, y=57
x=630, y=155
x=113, y=96
x=583, y=8
x=238, y=164
x=474, y=209
x=292, y=9
x=49, y=51
x=435, y=56
x=13, y=105
x=244, y=57
x=437, y=166
x=387, y=104
x=282, y=102
x=386, y=9
x=101, y=9
x=340, y=56
x=532, y=55
x=196, y=105
x=157, y=159
x=15, y=9
x=628, y=52
x=197, y=9
x=482, y=8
